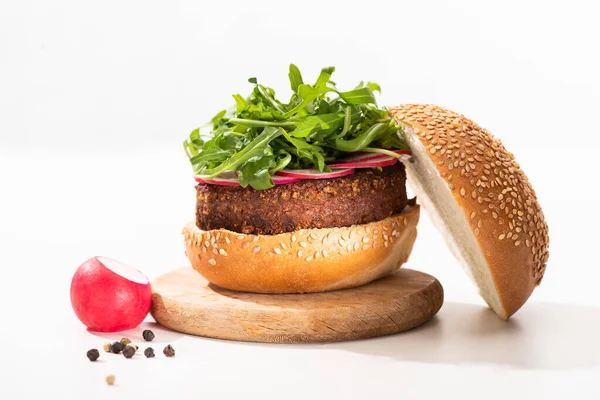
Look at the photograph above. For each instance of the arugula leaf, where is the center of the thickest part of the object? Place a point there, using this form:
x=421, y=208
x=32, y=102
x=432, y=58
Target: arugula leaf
x=240, y=103
x=374, y=87
x=324, y=76
x=265, y=135
x=358, y=96
x=295, y=78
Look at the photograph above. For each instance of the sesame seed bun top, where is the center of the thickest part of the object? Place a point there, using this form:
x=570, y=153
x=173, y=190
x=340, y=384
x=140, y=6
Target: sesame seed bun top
x=479, y=197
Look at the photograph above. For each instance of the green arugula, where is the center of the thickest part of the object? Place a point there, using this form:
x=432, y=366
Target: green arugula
x=318, y=125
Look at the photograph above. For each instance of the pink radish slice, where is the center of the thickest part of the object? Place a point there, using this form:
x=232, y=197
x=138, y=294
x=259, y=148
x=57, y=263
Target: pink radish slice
x=363, y=156
x=360, y=157
x=219, y=181
x=277, y=180
x=315, y=173
x=283, y=180
x=378, y=162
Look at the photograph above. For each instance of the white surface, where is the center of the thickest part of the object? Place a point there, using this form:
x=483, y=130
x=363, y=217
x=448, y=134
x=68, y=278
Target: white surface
x=95, y=100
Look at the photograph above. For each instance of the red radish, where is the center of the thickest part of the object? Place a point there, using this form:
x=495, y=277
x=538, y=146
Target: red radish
x=282, y=180
x=219, y=181
x=315, y=173
x=278, y=180
x=360, y=157
x=377, y=162
x=363, y=156
x=108, y=296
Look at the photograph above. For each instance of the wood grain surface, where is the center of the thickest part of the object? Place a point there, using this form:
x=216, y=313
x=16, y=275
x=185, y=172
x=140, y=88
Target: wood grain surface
x=184, y=301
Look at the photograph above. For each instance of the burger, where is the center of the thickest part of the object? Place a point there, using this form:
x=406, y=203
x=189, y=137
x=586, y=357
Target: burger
x=309, y=195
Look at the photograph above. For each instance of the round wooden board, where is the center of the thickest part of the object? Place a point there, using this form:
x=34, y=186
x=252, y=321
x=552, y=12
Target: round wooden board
x=184, y=301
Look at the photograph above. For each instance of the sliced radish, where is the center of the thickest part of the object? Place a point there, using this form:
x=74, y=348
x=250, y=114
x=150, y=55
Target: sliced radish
x=277, y=180
x=356, y=157
x=377, y=162
x=108, y=296
x=283, y=180
x=315, y=173
x=219, y=181
x=363, y=156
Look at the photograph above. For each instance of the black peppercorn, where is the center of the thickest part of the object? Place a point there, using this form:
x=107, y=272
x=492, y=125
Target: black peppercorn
x=169, y=351
x=149, y=352
x=125, y=341
x=148, y=335
x=93, y=354
x=128, y=351
x=116, y=347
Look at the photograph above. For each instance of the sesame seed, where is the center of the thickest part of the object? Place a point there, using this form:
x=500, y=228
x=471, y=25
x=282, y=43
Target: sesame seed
x=277, y=250
x=317, y=254
x=215, y=251
x=240, y=237
x=366, y=240
x=476, y=232
x=502, y=236
x=222, y=252
x=256, y=249
x=386, y=243
x=325, y=253
x=366, y=246
x=283, y=245
x=212, y=261
x=293, y=238
x=303, y=244
x=356, y=245
x=204, y=249
x=309, y=258
x=341, y=242
x=245, y=245
x=299, y=253
x=349, y=248
x=255, y=239
x=312, y=235
x=227, y=239
x=518, y=242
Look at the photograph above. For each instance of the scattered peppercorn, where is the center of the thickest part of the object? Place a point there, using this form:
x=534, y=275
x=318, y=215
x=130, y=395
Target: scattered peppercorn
x=93, y=354
x=148, y=335
x=169, y=351
x=116, y=347
x=129, y=351
x=149, y=352
x=110, y=379
x=107, y=347
x=125, y=341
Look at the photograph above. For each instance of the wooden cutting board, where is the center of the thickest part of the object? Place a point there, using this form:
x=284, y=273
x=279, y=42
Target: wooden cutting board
x=184, y=301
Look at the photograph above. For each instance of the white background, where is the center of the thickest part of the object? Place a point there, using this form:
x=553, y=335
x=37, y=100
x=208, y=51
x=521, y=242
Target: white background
x=96, y=97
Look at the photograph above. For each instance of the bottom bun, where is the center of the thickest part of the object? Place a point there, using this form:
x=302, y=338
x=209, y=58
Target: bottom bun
x=304, y=261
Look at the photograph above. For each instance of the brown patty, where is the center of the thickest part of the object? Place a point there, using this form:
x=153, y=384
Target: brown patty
x=367, y=195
